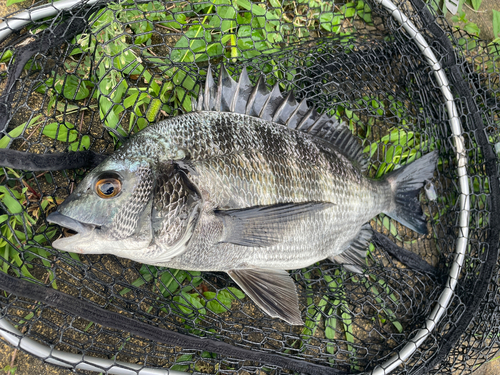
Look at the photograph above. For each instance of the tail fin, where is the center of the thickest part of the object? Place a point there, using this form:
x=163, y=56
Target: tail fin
x=406, y=183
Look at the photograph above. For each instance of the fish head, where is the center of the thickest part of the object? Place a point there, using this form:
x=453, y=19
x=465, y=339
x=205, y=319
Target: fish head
x=110, y=209
x=142, y=210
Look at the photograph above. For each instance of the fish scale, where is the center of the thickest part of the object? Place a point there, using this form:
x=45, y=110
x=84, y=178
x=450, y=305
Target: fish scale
x=251, y=183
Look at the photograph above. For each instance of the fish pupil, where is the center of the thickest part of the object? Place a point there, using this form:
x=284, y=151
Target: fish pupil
x=107, y=188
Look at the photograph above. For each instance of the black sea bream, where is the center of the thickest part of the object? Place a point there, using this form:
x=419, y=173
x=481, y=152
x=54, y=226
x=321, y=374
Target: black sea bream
x=250, y=183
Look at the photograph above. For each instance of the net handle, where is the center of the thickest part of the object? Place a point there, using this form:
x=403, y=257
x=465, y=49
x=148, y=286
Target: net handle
x=461, y=154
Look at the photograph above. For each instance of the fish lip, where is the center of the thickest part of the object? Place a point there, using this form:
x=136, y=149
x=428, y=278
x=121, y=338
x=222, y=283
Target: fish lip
x=67, y=222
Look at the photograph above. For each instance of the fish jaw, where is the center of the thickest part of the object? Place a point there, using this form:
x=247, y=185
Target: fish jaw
x=67, y=222
x=89, y=239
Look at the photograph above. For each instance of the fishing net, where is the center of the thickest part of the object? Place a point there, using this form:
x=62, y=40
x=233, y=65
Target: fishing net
x=78, y=76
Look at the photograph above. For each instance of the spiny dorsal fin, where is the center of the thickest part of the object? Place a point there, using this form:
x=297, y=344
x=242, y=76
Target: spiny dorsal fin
x=210, y=93
x=272, y=103
x=243, y=97
x=257, y=98
x=243, y=91
x=297, y=114
x=227, y=90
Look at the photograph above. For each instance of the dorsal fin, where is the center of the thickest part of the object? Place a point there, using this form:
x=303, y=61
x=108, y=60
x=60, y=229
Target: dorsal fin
x=243, y=91
x=257, y=101
x=272, y=104
x=210, y=93
x=227, y=90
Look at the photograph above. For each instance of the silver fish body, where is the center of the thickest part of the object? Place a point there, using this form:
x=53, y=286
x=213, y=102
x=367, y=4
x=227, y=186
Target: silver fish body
x=244, y=185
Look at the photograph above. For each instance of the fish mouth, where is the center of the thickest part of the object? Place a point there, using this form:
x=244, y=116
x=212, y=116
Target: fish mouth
x=72, y=224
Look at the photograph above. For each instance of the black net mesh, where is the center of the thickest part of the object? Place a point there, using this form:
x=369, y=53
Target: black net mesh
x=83, y=77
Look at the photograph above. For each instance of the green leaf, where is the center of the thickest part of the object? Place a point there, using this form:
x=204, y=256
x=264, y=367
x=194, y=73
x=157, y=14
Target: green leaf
x=238, y=293
x=364, y=11
x=16, y=132
x=75, y=88
x=331, y=22
x=10, y=2
x=185, y=301
x=62, y=132
x=476, y=4
x=80, y=146
x=252, y=7
x=349, y=10
x=472, y=28
x=496, y=24
x=182, y=358
x=214, y=305
x=12, y=204
x=6, y=55
x=330, y=325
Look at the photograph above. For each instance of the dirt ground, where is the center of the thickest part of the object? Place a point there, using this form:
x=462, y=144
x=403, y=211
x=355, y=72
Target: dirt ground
x=483, y=18
x=28, y=364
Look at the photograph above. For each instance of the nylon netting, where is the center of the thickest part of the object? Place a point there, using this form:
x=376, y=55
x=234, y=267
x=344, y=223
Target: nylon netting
x=82, y=78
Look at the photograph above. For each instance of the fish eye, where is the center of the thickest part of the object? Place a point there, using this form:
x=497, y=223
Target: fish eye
x=108, y=186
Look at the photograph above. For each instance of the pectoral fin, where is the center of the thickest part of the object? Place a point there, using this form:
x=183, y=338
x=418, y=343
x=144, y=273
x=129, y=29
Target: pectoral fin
x=262, y=226
x=272, y=290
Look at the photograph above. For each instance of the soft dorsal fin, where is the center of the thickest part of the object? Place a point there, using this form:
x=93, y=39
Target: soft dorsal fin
x=256, y=100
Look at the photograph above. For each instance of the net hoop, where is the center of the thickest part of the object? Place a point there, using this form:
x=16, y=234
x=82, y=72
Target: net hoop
x=16, y=338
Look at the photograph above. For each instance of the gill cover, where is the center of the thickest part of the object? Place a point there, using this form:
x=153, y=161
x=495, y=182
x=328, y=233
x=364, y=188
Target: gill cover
x=175, y=211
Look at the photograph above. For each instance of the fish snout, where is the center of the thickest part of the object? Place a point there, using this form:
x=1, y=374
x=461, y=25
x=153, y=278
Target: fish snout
x=67, y=222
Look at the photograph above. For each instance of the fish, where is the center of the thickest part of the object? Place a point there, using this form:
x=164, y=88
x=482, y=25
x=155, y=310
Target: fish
x=252, y=183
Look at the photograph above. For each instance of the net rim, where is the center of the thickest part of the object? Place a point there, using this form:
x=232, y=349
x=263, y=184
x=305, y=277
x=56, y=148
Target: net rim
x=74, y=361
x=23, y=18
x=456, y=127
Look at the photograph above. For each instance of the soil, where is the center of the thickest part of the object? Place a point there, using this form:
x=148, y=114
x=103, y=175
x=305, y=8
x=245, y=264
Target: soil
x=28, y=364
x=483, y=18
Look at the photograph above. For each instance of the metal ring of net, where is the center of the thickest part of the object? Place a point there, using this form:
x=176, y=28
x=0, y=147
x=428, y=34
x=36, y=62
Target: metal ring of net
x=95, y=71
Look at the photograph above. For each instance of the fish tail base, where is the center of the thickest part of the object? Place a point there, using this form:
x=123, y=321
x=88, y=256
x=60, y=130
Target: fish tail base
x=406, y=183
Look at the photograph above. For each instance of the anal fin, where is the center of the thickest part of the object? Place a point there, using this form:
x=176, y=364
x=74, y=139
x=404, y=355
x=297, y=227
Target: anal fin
x=353, y=258
x=272, y=290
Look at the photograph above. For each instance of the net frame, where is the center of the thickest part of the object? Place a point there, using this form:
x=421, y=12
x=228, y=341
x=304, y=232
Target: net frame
x=445, y=298
x=388, y=366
